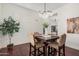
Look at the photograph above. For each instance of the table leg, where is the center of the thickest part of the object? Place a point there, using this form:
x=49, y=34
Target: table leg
x=45, y=49
x=48, y=50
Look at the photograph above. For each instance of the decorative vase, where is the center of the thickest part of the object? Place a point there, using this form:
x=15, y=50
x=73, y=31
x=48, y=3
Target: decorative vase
x=46, y=32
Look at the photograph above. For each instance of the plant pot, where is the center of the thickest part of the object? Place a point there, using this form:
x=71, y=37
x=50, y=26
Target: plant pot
x=10, y=48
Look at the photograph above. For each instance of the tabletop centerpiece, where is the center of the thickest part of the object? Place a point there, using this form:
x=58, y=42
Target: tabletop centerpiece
x=45, y=28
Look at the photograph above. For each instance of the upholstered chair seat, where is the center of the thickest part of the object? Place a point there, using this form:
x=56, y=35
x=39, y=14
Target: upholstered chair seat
x=54, y=44
x=39, y=45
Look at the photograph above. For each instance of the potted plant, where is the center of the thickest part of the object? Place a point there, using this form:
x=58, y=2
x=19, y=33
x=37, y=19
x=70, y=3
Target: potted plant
x=45, y=26
x=9, y=27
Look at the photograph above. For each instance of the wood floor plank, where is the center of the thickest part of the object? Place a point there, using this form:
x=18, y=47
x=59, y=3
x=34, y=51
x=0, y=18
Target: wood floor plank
x=23, y=50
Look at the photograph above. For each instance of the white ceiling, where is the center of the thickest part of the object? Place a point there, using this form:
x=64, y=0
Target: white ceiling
x=40, y=6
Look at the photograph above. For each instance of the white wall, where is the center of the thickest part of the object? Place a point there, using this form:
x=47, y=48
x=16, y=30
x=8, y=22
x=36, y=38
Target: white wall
x=0, y=21
x=29, y=22
x=68, y=11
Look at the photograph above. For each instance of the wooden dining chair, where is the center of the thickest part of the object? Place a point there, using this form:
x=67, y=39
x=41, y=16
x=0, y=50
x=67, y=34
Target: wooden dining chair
x=36, y=46
x=58, y=46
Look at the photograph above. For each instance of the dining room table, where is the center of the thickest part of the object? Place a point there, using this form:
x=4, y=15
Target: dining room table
x=46, y=40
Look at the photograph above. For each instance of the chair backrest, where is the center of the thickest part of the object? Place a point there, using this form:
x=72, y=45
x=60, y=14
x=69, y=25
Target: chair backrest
x=62, y=40
x=36, y=34
x=31, y=38
x=33, y=41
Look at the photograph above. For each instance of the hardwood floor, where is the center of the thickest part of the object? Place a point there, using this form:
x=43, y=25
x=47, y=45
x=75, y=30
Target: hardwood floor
x=23, y=50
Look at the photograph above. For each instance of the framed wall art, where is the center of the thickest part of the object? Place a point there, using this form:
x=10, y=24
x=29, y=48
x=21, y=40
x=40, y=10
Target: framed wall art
x=73, y=25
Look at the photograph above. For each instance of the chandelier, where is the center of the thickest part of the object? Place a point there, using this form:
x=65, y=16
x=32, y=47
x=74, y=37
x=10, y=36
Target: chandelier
x=45, y=13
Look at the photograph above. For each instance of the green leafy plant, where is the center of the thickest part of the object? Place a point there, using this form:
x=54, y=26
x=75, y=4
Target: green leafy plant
x=45, y=25
x=9, y=27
